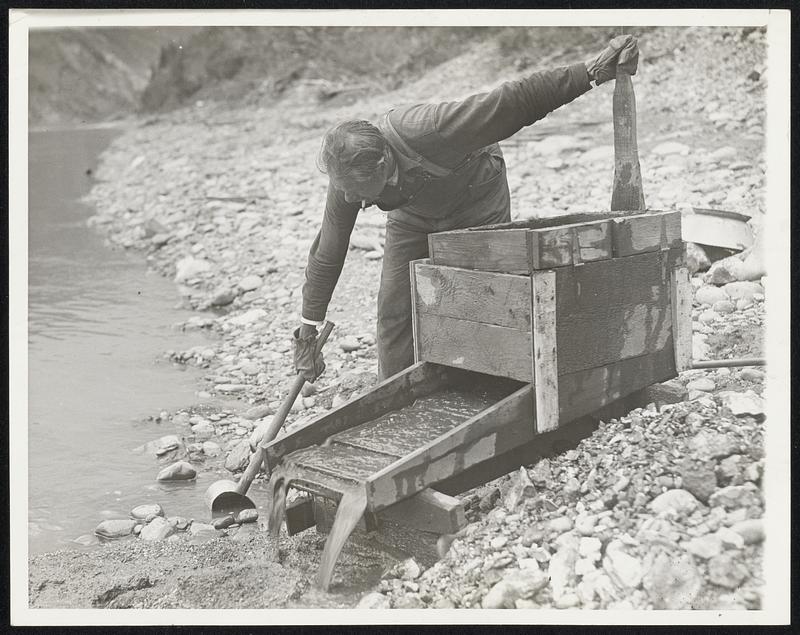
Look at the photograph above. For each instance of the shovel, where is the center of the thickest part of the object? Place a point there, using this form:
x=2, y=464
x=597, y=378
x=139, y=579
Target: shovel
x=227, y=497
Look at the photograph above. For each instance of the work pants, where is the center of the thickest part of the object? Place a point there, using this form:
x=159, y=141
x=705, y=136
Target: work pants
x=407, y=240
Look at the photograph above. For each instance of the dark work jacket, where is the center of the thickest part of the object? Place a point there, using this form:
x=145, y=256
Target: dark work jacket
x=449, y=164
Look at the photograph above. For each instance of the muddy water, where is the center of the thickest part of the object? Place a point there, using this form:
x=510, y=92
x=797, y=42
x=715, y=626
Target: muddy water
x=98, y=326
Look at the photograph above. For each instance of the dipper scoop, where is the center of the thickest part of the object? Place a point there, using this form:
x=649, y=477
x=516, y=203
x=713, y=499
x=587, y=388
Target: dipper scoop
x=227, y=497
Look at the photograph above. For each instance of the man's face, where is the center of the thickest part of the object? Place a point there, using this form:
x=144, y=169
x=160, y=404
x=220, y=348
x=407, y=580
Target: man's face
x=368, y=190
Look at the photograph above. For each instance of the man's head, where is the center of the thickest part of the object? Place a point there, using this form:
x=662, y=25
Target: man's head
x=357, y=158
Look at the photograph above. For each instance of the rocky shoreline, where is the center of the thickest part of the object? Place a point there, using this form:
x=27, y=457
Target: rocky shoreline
x=225, y=200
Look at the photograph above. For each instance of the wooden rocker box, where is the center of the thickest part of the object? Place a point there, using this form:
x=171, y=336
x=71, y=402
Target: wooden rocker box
x=587, y=308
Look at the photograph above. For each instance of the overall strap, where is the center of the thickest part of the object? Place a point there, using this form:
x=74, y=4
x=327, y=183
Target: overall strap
x=396, y=140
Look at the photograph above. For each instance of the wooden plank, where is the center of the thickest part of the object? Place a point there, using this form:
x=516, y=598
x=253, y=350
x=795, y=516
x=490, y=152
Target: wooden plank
x=492, y=298
x=485, y=348
x=428, y=511
x=571, y=244
x=549, y=221
x=646, y=232
x=585, y=391
x=545, y=363
x=612, y=310
x=546, y=444
x=503, y=251
x=414, y=305
x=340, y=461
x=300, y=515
x=416, y=381
x=681, y=304
x=496, y=430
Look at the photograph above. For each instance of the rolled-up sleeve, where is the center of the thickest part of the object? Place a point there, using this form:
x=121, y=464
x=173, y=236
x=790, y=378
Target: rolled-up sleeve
x=486, y=118
x=327, y=254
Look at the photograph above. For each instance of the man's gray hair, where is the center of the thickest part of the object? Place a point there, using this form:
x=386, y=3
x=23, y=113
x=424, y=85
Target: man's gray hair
x=351, y=150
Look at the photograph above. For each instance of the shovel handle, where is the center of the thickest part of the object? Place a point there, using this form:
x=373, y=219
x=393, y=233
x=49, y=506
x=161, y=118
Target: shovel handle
x=627, y=193
x=277, y=421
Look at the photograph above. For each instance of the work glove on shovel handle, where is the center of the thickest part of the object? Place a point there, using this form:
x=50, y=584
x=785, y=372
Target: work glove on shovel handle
x=622, y=53
x=307, y=361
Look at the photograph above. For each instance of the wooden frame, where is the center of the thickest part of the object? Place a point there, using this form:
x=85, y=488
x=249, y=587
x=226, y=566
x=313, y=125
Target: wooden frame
x=527, y=246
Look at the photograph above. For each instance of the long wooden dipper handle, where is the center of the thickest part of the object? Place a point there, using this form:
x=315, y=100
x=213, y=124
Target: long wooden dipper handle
x=627, y=193
x=277, y=421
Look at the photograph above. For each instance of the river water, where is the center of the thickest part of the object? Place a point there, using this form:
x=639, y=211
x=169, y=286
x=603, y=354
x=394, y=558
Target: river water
x=99, y=324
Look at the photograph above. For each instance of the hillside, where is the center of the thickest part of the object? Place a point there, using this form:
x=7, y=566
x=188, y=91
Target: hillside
x=84, y=75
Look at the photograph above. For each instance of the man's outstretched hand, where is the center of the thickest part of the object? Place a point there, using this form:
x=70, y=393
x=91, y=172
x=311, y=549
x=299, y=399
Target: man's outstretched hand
x=306, y=362
x=621, y=53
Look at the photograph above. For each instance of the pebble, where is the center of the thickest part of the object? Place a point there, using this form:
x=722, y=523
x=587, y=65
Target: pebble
x=156, y=530
x=87, y=540
x=672, y=581
x=751, y=374
x=590, y=548
x=727, y=571
x=584, y=524
x=374, y=600
x=561, y=570
x=735, y=496
x=247, y=516
x=560, y=525
x=704, y=547
x=408, y=602
x=623, y=569
x=751, y=530
x=670, y=147
x=675, y=501
x=141, y=512
x=258, y=412
x=696, y=258
x=179, y=522
x=730, y=538
x=703, y=383
x=203, y=430
x=746, y=403
x=710, y=294
x=204, y=536
x=730, y=469
x=514, y=586
x=115, y=528
x=179, y=471
x=238, y=457
x=196, y=528
x=698, y=478
x=349, y=344
x=743, y=290
x=223, y=521
x=222, y=296
x=725, y=271
x=711, y=444
x=499, y=542
x=724, y=307
x=250, y=283
x=211, y=448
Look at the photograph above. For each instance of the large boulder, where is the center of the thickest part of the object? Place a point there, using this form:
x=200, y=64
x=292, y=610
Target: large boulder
x=727, y=270
x=179, y=471
x=710, y=294
x=115, y=528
